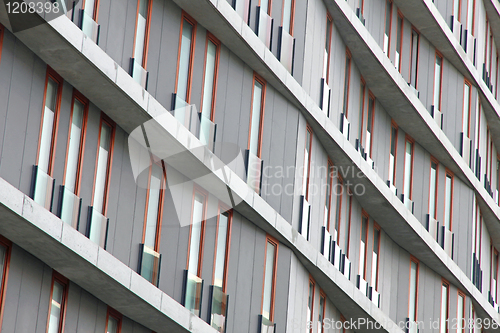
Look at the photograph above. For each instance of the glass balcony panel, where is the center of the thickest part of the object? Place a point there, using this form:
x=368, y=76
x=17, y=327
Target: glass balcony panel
x=139, y=74
x=286, y=51
x=192, y=293
x=326, y=243
x=447, y=241
x=465, y=149
x=150, y=264
x=346, y=267
x=336, y=255
x=264, y=26
x=98, y=227
x=325, y=96
x=43, y=188
x=70, y=207
x=254, y=170
x=265, y=325
x=207, y=131
x=218, y=310
x=89, y=27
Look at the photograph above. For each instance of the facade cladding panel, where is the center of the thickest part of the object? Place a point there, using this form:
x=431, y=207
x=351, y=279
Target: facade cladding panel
x=359, y=174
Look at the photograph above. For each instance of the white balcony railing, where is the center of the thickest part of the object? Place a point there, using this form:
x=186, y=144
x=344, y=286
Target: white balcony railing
x=447, y=241
x=139, y=74
x=325, y=97
x=407, y=202
x=437, y=115
x=286, y=49
x=456, y=28
x=253, y=166
x=264, y=27
x=326, y=243
x=336, y=255
x=89, y=27
x=470, y=45
x=374, y=296
x=346, y=266
x=465, y=147
x=362, y=285
x=432, y=227
x=345, y=126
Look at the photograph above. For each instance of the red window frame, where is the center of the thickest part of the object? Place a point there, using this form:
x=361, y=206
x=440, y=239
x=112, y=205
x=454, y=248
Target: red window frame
x=390, y=26
x=65, y=283
x=412, y=141
x=417, y=262
x=396, y=127
x=146, y=33
x=449, y=174
x=376, y=227
x=438, y=54
x=216, y=42
x=186, y=17
x=364, y=215
x=82, y=99
x=329, y=180
x=347, y=81
x=466, y=82
x=445, y=283
x=328, y=39
x=313, y=283
x=116, y=315
x=59, y=80
x=258, y=78
x=436, y=188
x=161, y=200
x=3, y=283
x=292, y=15
x=274, y=242
x=198, y=190
x=401, y=36
x=223, y=209
x=105, y=120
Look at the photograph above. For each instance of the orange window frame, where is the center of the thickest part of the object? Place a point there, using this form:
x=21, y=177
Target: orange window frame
x=77, y=96
x=211, y=38
x=292, y=16
x=329, y=179
x=65, y=283
x=146, y=34
x=116, y=315
x=59, y=80
x=401, y=38
x=413, y=29
x=446, y=284
x=396, y=127
x=466, y=82
x=259, y=79
x=438, y=54
x=95, y=14
x=412, y=141
x=313, y=283
x=161, y=200
x=322, y=296
x=105, y=120
x=390, y=26
x=449, y=174
x=436, y=188
x=417, y=262
x=376, y=227
x=185, y=17
x=347, y=81
x=329, y=27
x=223, y=209
x=3, y=286
x=461, y=294
x=274, y=242
x=198, y=190
x=364, y=215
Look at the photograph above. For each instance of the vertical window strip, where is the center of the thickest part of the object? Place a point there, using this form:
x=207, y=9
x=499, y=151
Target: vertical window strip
x=362, y=247
x=288, y=16
x=154, y=206
x=141, y=39
x=310, y=303
x=91, y=8
x=197, y=232
x=369, y=124
x=103, y=165
x=212, y=53
x=185, y=61
x=5, y=249
x=113, y=321
x=328, y=201
x=347, y=80
x=445, y=286
x=414, y=57
x=321, y=313
x=361, y=109
x=438, y=74
x=448, y=200
x=388, y=23
x=347, y=232
x=461, y=312
x=413, y=298
x=393, y=154
x=338, y=212
x=375, y=255
x=257, y=116
x=328, y=43
x=57, y=308
x=433, y=189
x=307, y=163
x=223, y=241
x=466, y=109
x=269, y=278
x=408, y=177
x=399, y=42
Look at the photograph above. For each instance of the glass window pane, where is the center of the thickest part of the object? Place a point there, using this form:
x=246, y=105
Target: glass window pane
x=347, y=224
x=74, y=145
x=346, y=83
x=460, y=312
x=466, y=106
x=310, y=302
x=362, y=247
x=408, y=175
x=112, y=325
x=414, y=58
x=268, y=281
x=153, y=205
x=220, y=257
x=184, y=57
x=444, y=308
x=387, y=33
x=56, y=307
x=195, y=240
x=255, y=121
x=89, y=7
x=140, y=33
x=287, y=15
x=208, y=87
x=447, y=208
x=102, y=168
x=47, y=125
x=413, y=291
x=432, y=190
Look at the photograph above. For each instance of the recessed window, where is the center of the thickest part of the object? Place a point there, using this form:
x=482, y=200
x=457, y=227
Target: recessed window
x=388, y=22
x=413, y=300
x=269, y=279
x=328, y=200
x=443, y=328
x=310, y=303
x=113, y=321
x=197, y=233
x=433, y=189
x=257, y=116
x=307, y=163
x=461, y=312
x=362, y=246
x=142, y=32
x=466, y=109
x=399, y=42
x=438, y=74
x=448, y=200
x=408, y=171
x=369, y=125
x=210, y=77
x=414, y=58
x=321, y=312
x=222, y=248
x=58, y=298
x=185, y=64
x=328, y=42
x=393, y=154
x=375, y=256
x=347, y=80
x=288, y=15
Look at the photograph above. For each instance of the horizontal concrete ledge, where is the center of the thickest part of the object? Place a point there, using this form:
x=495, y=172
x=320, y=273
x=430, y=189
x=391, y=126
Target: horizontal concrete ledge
x=63, y=46
x=63, y=248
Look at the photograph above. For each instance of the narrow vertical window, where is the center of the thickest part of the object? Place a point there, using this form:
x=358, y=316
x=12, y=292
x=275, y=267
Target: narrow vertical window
x=443, y=328
x=494, y=275
x=347, y=80
x=150, y=257
x=457, y=5
x=433, y=189
x=210, y=77
x=361, y=108
x=347, y=231
x=328, y=42
x=413, y=298
x=461, y=312
x=375, y=256
x=408, y=171
x=288, y=15
x=141, y=41
x=257, y=115
x=438, y=74
x=88, y=18
x=269, y=279
x=466, y=109
x=5, y=247
x=197, y=232
x=414, y=58
x=307, y=163
x=185, y=62
x=222, y=248
x=310, y=303
x=369, y=125
x=74, y=159
x=388, y=22
x=321, y=312
x=113, y=321
x=328, y=201
x=448, y=199
x=58, y=297
x=338, y=213
x=362, y=246
x=470, y=16
x=399, y=42
x=393, y=154
x=47, y=141
x=97, y=231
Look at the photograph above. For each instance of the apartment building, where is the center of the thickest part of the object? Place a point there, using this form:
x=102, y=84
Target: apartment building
x=249, y=166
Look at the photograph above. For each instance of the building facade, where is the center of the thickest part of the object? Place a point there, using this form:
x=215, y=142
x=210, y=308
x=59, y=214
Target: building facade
x=250, y=166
